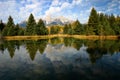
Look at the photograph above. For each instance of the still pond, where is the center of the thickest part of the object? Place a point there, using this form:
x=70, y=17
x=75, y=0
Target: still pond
x=60, y=59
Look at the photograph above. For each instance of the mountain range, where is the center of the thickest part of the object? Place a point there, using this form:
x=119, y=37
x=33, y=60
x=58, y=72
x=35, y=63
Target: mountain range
x=55, y=21
x=23, y=24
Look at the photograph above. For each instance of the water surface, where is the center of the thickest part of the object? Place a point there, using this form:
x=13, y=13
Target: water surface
x=60, y=59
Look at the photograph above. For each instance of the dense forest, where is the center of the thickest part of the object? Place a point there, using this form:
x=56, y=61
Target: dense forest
x=98, y=24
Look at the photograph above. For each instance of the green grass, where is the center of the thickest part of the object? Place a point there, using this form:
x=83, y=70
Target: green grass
x=36, y=37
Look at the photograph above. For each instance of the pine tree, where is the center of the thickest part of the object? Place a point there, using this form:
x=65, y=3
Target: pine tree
x=16, y=29
x=111, y=20
x=66, y=28
x=93, y=20
x=2, y=25
x=40, y=28
x=9, y=28
x=30, y=27
x=77, y=27
x=99, y=29
x=90, y=30
x=54, y=29
x=116, y=24
x=21, y=31
x=70, y=30
x=105, y=25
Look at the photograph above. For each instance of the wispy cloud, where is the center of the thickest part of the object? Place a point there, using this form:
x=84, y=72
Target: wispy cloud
x=71, y=9
x=60, y=8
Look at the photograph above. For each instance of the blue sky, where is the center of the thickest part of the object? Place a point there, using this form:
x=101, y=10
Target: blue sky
x=48, y=9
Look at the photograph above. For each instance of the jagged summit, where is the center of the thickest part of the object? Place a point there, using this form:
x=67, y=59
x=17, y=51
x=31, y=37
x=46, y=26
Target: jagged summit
x=61, y=20
x=51, y=21
x=23, y=24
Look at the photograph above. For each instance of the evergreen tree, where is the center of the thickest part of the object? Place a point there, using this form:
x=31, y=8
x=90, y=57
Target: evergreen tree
x=111, y=20
x=93, y=20
x=2, y=25
x=116, y=26
x=70, y=30
x=30, y=27
x=104, y=25
x=40, y=28
x=77, y=27
x=90, y=30
x=99, y=29
x=16, y=29
x=21, y=31
x=9, y=28
x=5, y=31
x=66, y=29
x=54, y=29
x=10, y=22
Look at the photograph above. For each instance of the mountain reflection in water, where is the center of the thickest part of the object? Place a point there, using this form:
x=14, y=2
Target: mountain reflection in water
x=60, y=59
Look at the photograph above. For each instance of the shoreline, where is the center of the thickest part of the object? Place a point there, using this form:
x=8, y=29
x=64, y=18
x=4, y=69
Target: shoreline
x=37, y=37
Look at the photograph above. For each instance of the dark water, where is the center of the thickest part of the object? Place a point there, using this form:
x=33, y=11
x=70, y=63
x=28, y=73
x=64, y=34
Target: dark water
x=60, y=59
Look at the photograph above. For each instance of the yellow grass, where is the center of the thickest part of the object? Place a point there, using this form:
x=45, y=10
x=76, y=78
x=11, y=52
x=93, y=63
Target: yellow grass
x=92, y=37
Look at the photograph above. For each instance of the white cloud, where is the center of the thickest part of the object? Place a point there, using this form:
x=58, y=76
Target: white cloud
x=76, y=2
x=58, y=8
x=55, y=3
x=19, y=11
x=31, y=6
x=75, y=9
x=8, y=8
x=65, y=5
x=113, y=6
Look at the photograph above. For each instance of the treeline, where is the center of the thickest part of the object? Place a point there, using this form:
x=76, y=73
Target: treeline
x=32, y=28
x=98, y=24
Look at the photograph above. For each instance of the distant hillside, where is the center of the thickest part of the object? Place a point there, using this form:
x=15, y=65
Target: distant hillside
x=60, y=20
x=23, y=24
x=56, y=21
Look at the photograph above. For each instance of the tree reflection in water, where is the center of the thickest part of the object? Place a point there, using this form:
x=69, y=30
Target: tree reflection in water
x=60, y=58
x=95, y=48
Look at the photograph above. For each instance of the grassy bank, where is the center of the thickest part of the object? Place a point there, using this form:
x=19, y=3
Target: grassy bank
x=110, y=37
x=60, y=35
